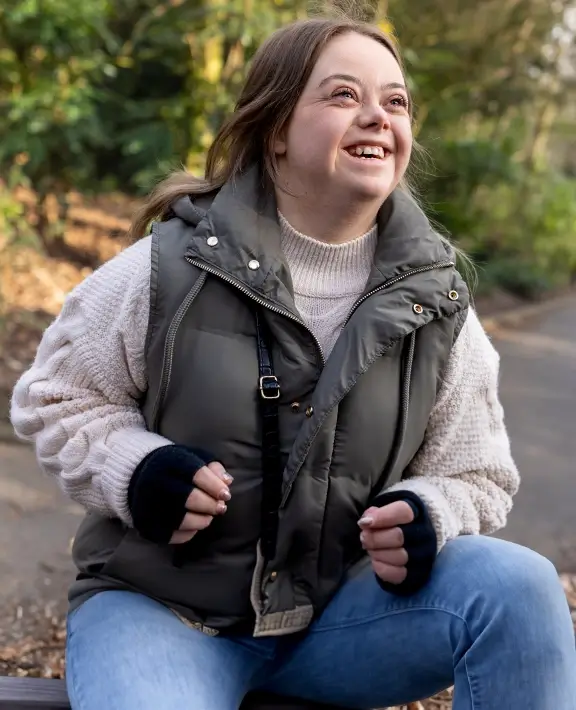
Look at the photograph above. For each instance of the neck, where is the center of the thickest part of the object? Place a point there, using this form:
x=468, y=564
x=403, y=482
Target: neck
x=327, y=223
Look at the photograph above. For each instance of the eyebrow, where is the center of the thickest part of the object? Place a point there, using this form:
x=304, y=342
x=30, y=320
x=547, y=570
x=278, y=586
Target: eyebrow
x=359, y=82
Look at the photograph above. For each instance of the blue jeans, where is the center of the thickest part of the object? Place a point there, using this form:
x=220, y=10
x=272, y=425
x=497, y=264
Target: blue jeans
x=493, y=621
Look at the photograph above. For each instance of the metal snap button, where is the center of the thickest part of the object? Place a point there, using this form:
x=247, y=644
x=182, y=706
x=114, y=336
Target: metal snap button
x=273, y=575
x=254, y=264
x=309, y=412
x=295, y=406
x=453, y=295
x=212, y=241
x=417, y=308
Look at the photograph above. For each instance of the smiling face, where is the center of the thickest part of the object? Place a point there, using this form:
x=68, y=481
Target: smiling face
x=349, y=137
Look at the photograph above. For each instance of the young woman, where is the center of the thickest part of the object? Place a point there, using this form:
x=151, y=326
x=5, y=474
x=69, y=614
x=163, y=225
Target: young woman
x=281, y=416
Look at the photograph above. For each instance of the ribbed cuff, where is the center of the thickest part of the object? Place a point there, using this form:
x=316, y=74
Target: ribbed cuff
x=127, y=448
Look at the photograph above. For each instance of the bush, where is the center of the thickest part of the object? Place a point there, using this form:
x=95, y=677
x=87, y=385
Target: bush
x=522, y=279
x=519, y=225
x=14, y=222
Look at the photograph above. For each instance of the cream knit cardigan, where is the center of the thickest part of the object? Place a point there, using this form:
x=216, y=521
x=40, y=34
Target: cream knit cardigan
x=78, y=402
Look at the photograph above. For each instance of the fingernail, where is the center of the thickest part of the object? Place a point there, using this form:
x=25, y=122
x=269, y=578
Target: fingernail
x=362, y=537
x=225, y=494
x=366, y=520
x=221, y=507
x=227, y=478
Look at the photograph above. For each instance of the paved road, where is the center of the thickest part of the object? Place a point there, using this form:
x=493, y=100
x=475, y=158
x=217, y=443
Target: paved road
x=36, y=526
x=538, y=389
x=539, y=395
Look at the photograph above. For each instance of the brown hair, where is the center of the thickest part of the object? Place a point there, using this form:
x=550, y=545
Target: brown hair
x=276, y=78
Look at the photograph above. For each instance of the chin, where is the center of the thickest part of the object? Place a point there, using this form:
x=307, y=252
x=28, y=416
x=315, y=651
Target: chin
x=370, y=191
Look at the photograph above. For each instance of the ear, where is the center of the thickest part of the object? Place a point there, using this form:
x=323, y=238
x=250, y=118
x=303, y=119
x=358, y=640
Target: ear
x=280, y=143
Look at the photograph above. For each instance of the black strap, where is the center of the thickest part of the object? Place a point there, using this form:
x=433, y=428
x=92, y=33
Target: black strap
x=269, y=394
x=272, y=469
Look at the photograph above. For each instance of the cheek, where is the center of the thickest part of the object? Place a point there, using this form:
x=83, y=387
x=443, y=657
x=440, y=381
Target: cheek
x=300, y=145
x=404, y=142
x=312, y=137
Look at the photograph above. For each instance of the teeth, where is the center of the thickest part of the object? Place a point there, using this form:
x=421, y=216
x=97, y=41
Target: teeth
x=368, y=150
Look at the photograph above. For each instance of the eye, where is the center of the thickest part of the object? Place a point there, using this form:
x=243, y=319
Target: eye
x=399, y=101
x=345, y=93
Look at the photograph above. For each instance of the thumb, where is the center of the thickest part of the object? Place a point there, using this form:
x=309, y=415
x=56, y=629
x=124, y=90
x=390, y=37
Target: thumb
x=388, y=516
x=368, y=518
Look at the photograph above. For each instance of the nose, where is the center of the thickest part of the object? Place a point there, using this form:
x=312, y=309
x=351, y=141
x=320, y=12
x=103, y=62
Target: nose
x=373, y=116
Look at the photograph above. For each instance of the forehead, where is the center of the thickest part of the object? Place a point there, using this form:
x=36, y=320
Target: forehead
x=359, y=56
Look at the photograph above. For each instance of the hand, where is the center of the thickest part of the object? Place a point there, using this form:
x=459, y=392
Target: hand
x=207, y=500
x=384, y=540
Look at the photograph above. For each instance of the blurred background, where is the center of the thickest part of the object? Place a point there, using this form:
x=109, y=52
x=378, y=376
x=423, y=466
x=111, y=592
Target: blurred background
x=100, y=99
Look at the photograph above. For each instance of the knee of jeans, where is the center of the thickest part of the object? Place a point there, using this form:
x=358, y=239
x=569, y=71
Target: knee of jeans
x=504, y=572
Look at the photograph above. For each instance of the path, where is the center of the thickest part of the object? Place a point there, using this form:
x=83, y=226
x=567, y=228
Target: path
x=36, y=526
x=538, y=390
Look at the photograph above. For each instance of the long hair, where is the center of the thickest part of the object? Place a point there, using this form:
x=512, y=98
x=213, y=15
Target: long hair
x=275, y=81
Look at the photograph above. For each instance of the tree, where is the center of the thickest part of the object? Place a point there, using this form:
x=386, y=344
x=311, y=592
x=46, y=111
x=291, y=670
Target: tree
x=111, y=94
x=50, y=66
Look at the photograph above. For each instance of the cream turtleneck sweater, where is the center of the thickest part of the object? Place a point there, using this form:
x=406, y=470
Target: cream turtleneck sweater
x=328, y=278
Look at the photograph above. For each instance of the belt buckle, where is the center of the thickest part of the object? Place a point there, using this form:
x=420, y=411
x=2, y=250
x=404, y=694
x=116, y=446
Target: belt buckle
x=269, y=382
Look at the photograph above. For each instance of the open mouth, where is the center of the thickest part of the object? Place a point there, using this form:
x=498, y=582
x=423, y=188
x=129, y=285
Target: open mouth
x=368, y=152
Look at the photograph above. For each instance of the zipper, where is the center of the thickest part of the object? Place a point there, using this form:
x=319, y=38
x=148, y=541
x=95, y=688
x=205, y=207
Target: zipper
x=391, y=282
x=169, y=347
x=261, y=301
x=408, y=382
x=404, y=405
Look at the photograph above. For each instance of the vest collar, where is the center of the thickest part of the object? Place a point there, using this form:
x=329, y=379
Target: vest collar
x=242, y=217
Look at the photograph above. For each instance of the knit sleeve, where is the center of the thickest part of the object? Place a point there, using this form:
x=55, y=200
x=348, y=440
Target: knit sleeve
x=464, y=470
x=79, y=401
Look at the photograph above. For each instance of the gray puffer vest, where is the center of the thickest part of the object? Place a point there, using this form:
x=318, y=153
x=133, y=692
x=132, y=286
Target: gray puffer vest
x=349, y=426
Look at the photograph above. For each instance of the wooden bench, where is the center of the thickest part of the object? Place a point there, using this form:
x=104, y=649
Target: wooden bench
x=41, y=694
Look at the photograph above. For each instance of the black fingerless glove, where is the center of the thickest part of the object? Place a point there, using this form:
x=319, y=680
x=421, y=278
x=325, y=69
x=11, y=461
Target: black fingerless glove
x=419, y=542
x=159, y=489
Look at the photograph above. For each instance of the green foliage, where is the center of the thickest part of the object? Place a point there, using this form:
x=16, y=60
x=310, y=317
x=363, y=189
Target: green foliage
x=519, y=224
x=461, y=168
x=15, y=228
x=50, y=66
x=111, y=94
x=520, y=277
x=490, y=98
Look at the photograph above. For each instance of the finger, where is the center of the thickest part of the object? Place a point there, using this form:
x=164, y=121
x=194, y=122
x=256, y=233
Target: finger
x=388, y=573
x=390, y=538
x=179, y=538
x=211, y=483
x=217, y=468
x=367, y=520
x=200, y=502
x=389, y=516
x=396, y=558
x=193, y=522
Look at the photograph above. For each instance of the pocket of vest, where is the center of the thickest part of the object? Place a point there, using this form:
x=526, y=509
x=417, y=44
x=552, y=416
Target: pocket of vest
x=143, y=565
x=148, y=568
